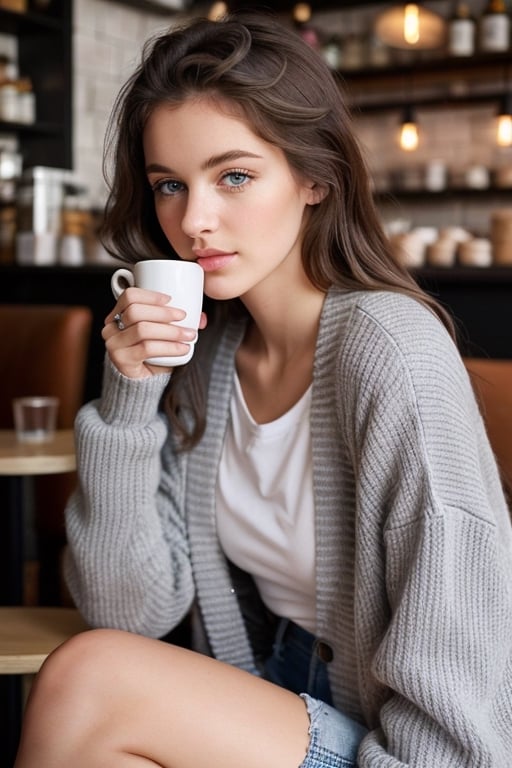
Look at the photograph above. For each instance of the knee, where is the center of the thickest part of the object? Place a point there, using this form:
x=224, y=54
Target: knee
x=83, y=664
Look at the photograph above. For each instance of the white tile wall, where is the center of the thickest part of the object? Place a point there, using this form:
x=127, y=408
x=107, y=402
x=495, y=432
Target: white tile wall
x=107, y=40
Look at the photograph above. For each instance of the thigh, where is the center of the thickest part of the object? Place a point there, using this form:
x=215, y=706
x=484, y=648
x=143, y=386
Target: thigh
x=173, y=706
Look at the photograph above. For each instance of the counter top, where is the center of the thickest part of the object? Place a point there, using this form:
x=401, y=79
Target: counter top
x=52, y=457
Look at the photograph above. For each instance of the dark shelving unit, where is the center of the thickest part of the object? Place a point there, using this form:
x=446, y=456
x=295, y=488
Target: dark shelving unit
x=45, y=56
x=432, y=63
x=479, y=300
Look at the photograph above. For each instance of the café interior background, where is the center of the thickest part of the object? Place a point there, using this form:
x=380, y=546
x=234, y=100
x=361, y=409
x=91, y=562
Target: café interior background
x=107, y=39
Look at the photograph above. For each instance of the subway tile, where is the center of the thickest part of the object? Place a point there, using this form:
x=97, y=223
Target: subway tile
x=84, y=15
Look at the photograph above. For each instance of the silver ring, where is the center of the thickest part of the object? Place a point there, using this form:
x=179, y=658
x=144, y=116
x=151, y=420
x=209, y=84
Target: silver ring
x=118, y=318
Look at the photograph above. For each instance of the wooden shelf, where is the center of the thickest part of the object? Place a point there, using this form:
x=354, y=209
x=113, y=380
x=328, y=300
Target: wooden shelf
x=438, y=64
x=35, y=129
x=448, y=194
x=13, y=23
x=200, y=7
x=441, y=102
x=500, y=275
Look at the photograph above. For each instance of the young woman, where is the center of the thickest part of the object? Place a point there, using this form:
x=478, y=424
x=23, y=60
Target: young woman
x=315, y=487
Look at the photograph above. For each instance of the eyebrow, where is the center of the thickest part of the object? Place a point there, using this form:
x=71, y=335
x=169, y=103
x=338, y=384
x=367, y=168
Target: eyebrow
x=212, y=162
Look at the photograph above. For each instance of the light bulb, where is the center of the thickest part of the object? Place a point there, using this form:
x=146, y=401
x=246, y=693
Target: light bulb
x=409, y=137
x=411, y=24
x=217, y=11
x=504, y=133
x=302, y=12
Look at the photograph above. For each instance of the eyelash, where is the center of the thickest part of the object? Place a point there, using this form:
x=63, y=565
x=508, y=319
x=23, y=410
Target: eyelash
x=238, y=172
x=158, y=186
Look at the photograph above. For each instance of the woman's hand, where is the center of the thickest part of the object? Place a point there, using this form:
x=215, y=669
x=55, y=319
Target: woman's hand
x=146, y=330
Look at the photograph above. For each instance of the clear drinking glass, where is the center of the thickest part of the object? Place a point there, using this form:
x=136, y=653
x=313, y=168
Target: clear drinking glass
x=35, y=418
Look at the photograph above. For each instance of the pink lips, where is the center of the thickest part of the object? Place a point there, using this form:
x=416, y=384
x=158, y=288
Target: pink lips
x=211, y=260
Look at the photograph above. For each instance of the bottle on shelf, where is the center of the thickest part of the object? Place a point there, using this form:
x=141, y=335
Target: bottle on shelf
x=494, y=29
x=17, y=99
x=461, y=31
x=9, y=91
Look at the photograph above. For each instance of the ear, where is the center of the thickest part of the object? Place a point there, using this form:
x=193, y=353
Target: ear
x=316, y=193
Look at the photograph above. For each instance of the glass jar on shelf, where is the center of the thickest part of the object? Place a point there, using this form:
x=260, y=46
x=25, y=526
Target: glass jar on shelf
x=331, y=52
x=354, y=52
x=461, y=31
x=26, y=101
x=8, y=102
x=9, y=92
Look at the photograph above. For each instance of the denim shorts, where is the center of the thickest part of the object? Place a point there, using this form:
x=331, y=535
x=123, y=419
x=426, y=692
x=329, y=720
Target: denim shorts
x=299, y=663
x=334, y=737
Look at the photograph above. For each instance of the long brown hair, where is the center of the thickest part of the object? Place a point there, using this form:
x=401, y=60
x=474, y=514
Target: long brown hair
x=291, y=99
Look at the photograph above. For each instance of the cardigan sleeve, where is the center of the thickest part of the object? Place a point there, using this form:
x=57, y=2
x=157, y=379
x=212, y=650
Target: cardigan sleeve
x=127, y=563
x=446, y=655
x=428, y=488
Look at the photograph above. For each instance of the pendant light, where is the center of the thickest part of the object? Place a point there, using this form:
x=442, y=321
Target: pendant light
x=217, y=11
x=412, y=26
x=301, y=13
x=409, y=138
x=504, y=132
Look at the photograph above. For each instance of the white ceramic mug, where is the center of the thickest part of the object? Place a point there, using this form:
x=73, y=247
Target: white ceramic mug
x=182, y=280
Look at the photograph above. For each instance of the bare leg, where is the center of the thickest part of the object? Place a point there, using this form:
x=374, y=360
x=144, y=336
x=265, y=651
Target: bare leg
x=110, y=698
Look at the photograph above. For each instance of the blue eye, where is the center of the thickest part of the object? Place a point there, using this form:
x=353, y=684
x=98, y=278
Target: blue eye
x=236, y=178
x=168, y=187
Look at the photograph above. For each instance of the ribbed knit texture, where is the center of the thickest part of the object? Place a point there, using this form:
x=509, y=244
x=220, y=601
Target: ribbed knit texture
x=413, y=536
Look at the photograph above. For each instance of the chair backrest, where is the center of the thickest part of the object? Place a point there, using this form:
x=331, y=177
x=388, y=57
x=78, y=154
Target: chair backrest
x=492, y=382
x=43, y=351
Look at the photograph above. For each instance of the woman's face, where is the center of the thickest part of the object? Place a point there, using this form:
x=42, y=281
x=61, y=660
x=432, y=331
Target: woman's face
x=225, y=198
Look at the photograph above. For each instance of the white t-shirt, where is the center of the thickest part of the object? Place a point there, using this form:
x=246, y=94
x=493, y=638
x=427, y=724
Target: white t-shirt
x=265, y=507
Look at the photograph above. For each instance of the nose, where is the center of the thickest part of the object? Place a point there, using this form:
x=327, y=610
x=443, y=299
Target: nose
x=200, y=214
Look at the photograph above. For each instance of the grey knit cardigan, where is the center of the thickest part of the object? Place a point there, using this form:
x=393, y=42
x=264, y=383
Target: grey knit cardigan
x=413, y=535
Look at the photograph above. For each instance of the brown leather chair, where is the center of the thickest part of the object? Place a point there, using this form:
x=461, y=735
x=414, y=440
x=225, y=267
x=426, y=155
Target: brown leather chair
x=43, y=351
x=492, y=382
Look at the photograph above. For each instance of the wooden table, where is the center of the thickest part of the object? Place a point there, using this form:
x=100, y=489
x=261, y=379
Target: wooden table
x=17, y=461
x=29, y=634
x=51, y=458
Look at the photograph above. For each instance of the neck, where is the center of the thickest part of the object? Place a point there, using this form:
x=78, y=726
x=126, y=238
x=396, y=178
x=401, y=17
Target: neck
x=285, y=324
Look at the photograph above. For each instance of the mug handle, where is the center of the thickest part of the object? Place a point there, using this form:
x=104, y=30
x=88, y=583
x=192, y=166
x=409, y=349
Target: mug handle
x=120, y=280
